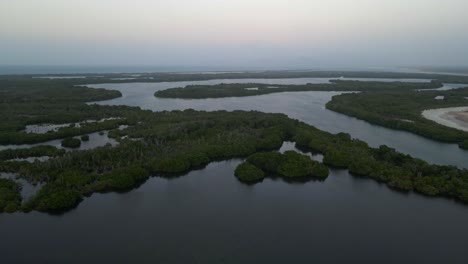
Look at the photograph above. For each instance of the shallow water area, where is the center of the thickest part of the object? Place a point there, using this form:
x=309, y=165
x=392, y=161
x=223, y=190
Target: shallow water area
x=32, y=159
x=95, y=140
x=27, y=189
x=44, y=128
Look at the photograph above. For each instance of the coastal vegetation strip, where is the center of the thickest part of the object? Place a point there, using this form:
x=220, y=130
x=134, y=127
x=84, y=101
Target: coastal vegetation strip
x=403, y=110
x=37, y=151
x=80, y=79
x=239, y=90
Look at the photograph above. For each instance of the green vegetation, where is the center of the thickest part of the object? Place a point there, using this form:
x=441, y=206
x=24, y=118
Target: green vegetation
x=402, y=110
x=37, y=151
x=53, y=197
x=28, y=90
x=391, y=104
x=26, y=101
x=71, y=143
x=10, y=197
x=386, y=165
x=290, y=165
x=464, y=144
x=166, y=144
x=250, y=89
x=85, y=138
x=247, y=172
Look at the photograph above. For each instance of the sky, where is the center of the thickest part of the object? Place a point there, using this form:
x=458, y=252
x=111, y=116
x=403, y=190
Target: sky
x=235, y=33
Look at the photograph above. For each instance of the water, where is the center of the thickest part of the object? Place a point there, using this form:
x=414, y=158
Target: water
x=95, y=140
x=448, y=86
x=208, y=216
x=44, y=128
x=27, y=189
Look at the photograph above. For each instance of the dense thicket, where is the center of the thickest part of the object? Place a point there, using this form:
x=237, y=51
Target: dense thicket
x=289, y=165
x=37, y=151
x=10, y=198
x=402, y=110
x=250, y=89
x=71, y=143
x=385, y=164
x=21, y=90
x=26, y=101
x=246, y=172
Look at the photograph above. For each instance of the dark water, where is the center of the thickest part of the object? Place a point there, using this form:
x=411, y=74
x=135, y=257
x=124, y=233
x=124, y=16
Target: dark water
x=207, y=216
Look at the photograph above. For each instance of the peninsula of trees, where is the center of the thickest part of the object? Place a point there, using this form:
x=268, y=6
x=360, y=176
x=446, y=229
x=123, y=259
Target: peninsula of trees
x=250, y=89
x=402, y=110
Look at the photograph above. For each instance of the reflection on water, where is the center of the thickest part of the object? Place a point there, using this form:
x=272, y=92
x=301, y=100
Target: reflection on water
x=308, y=107
x=208, y=216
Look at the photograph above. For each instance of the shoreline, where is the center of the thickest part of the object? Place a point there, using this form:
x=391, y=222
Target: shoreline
x=454, y=117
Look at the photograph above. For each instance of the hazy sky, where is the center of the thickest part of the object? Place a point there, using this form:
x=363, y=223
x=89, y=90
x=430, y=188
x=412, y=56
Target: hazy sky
x=270, y=33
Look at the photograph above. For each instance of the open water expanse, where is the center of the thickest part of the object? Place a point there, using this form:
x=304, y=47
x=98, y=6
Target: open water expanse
x=208, y=216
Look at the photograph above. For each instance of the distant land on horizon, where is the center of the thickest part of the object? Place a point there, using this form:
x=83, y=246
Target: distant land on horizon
x=81, y=69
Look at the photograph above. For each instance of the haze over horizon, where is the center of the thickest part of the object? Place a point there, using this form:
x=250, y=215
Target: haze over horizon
x=242, y=33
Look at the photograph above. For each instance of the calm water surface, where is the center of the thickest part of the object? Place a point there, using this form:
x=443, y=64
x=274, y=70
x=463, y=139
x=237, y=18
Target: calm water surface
x=308, y=107
x=207, y=216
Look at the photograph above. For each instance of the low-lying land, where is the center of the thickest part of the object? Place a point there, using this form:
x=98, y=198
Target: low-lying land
x=166, y=144
x=67, y=79
x=403, y=110
x=250, y=89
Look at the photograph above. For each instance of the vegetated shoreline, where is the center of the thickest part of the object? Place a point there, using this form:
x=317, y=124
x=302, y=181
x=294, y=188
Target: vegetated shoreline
x=175, y=142
x=454, y=117
x=251, y=89
x=395, y=118
x=394, y=109
x=66, y=184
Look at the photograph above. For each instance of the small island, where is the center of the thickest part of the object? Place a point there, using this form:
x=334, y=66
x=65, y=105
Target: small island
x=71, y=143
x=289, y=165
x=251, y=89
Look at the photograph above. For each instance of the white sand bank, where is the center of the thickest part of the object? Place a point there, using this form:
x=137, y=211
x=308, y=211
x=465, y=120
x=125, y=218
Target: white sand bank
x=455, y=117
